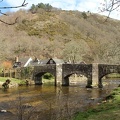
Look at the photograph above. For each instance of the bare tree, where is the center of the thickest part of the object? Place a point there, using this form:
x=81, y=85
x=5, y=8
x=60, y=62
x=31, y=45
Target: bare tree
x=74, y=51
x=110, y=6
x=10, y=7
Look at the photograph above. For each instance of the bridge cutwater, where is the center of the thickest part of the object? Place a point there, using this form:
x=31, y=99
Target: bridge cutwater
x=62, y=72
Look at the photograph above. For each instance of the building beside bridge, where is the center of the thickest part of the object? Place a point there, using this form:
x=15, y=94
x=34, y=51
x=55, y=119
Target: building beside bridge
x=29, y=61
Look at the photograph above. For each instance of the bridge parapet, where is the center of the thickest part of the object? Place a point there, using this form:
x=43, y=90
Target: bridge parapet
x=51, y=68
x=77, y=68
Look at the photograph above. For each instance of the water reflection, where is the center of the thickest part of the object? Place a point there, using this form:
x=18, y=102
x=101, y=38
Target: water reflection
x=50, y=102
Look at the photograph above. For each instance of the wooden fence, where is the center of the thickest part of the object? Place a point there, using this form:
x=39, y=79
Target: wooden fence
x=19, y=73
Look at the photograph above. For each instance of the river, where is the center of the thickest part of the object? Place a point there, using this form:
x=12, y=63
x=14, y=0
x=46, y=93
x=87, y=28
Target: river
x=48, y=102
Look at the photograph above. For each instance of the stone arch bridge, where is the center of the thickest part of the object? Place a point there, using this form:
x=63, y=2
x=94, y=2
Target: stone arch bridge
x=93, y=72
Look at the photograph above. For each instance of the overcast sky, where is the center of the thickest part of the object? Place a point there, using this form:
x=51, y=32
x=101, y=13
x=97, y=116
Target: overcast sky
x=81, y=5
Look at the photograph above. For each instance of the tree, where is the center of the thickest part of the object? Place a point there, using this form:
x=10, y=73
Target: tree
x=46, y=7
x=84, y=15
x=10, y=7
x=7, y=64
x=108, y=52
x=74, y=51
x=33, y=8
x=110, y=6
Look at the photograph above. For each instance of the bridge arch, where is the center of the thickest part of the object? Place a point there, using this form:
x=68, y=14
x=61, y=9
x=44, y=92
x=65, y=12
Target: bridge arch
x=104, y=69
x=76, y=78
x=38, y=78
x=39, y=71
x=69, y=69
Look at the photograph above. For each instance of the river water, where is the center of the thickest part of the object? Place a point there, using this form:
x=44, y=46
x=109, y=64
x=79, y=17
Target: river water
x=48, y=102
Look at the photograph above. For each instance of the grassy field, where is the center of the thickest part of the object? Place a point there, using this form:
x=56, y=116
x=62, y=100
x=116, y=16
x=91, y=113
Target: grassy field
x=108, y=110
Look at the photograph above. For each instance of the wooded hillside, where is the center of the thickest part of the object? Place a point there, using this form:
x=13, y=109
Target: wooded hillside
x=70, y=35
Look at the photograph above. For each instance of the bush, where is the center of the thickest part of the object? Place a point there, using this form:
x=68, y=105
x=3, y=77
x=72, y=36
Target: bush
x=48, y=76
x=84, y=15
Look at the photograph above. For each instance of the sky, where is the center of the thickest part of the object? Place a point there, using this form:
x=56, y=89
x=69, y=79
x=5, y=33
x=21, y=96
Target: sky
x=80, y=5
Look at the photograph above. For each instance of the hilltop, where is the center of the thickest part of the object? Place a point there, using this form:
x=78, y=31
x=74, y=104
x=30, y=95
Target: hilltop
x=70, y=35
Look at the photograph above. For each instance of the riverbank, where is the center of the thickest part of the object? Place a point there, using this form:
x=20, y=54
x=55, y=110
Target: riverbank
x=108, y=109
x=14, y=82
x=17, y=82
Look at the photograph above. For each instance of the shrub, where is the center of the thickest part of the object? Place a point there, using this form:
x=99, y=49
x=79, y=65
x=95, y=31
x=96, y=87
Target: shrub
x=84, y=15
x=48, y=76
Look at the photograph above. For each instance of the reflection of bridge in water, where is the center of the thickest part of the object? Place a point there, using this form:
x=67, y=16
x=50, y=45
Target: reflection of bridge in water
x=93, y=72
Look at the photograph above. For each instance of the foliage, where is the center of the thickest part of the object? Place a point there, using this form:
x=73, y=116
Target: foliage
x=48, y=76
x=56, y=33
x=6, y=65
x=84, y=15
x=74, y=51
x=35, y=8
x=26, y=72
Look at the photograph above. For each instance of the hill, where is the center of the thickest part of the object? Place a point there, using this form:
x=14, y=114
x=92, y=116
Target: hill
x=70, y=35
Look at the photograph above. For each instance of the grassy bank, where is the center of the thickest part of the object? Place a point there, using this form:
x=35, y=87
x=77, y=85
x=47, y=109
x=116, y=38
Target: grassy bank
x=22, y=82
x=107, y=110
x=13, y=80
x=113, y=75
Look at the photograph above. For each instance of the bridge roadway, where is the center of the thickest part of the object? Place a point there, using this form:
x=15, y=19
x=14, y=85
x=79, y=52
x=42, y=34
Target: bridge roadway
x=93, y=72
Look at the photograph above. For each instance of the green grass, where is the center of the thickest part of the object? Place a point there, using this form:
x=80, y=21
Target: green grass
x=45, y=81
x=105, y=111
x=13, y=80
x=113, y=75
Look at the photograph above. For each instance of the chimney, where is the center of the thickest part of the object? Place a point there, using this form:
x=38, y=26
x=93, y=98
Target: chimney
x=16, y=59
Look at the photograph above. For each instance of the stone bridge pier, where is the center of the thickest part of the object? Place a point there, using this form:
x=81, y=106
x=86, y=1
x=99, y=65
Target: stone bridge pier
x=95, y=75
x=59, y=74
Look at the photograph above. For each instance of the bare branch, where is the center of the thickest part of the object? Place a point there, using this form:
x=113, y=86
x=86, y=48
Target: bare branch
x=3, y=13
x=113, y=5
x=1, y=1
x=22, y=5
x=9, y=23
x=110, y=6
x=11, y=7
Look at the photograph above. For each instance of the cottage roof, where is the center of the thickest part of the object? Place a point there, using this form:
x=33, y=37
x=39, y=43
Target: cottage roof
x=35, y=63
x=44, y=61
x=56, y=60
x=22, y=62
